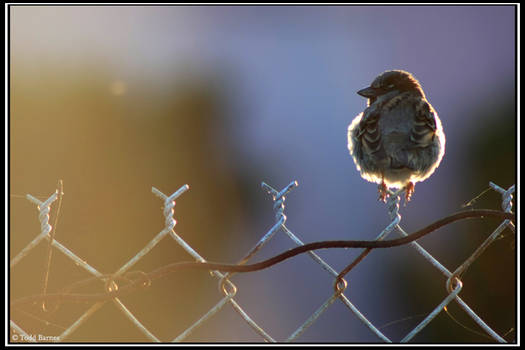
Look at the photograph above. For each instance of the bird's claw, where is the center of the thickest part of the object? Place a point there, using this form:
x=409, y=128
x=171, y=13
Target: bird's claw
x=409, y=190
x=383, y=192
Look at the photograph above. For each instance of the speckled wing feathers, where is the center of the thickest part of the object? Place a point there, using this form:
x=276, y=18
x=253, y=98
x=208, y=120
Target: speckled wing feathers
x=368, y=132
x=424, y=127
x=423, y=130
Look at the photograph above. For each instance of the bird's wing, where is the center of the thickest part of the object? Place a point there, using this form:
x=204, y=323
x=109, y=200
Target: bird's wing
x=424, y=128
x=368, y=130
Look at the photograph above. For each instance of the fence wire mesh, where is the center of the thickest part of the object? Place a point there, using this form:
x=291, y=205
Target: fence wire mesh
x=20, y=332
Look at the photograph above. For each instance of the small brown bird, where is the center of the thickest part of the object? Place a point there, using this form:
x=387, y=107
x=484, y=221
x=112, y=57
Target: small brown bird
x=398, y=140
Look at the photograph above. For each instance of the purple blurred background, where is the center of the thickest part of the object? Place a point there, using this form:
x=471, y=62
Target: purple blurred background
x=116, y=99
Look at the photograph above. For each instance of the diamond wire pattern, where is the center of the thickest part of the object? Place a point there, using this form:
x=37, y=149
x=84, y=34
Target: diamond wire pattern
x=453, y=281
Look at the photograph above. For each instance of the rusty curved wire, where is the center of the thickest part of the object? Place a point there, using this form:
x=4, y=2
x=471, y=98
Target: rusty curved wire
x=145, y=279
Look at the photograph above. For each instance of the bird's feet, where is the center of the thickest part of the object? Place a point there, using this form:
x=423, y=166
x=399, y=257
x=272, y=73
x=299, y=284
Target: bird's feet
x=383, y=192
x=409, y=190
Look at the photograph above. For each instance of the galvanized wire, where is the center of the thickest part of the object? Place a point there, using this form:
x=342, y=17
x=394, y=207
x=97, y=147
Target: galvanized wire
x=228, y=289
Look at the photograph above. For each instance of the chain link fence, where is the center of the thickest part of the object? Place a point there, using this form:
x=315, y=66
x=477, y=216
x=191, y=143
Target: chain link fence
x=116, y=282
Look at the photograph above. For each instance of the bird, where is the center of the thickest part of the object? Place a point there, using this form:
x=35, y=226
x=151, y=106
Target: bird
x=398, y=140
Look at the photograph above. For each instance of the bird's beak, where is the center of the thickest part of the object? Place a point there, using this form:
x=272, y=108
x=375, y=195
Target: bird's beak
x=369, y=92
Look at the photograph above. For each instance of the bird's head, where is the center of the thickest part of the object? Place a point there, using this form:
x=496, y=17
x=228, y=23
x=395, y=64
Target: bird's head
x=392, y=80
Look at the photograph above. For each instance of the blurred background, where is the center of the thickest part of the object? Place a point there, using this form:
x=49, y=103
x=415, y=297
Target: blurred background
x=116, y=99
